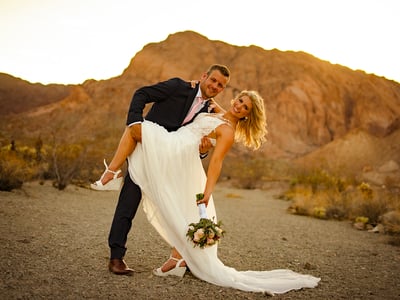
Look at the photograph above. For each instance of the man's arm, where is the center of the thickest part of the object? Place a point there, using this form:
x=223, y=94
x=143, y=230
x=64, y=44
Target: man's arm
x=148, y=94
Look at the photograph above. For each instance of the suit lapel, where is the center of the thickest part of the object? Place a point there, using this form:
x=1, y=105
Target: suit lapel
x=189, y=100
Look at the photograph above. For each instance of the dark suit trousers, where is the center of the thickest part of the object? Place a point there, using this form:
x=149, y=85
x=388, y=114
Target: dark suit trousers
x=128, y=203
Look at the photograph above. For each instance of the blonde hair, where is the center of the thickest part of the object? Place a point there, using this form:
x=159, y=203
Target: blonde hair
x=251, y=131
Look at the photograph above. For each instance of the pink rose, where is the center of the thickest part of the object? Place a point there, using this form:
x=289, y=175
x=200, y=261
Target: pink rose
x=210, y=241
x=198, y=235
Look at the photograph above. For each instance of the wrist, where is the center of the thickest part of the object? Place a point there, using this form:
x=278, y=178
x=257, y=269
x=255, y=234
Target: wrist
x=203, y=155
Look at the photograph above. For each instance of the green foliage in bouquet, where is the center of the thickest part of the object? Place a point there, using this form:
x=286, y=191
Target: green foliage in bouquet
x=206, y=232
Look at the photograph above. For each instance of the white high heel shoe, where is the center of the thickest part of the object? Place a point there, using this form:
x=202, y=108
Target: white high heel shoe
x=176, y=271
x=113, y=185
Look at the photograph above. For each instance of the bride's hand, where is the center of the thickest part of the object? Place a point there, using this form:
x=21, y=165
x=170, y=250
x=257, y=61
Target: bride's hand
x=204, y=200
x=193, y=83
x=205, y=145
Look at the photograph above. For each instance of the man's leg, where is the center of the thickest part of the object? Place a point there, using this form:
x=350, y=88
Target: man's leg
x=128, y=203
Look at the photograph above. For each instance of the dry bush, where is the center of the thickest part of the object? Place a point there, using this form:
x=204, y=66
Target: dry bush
x=366, y=203
x=300, y=200
x=16, y=166
x=66, y=161
x=251, y=172
x=319, y=194
x=60, y=161
x=11, y=171
x=325, y=196
x=391, y=222
x=321, y=204
x=321, y=180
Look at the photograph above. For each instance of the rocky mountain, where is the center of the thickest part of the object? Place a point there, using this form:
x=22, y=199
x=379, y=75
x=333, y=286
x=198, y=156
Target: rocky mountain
x=314, y=108
x=17, y=95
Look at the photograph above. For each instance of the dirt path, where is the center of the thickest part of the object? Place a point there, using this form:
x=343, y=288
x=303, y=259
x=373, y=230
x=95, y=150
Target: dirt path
x=54, y=246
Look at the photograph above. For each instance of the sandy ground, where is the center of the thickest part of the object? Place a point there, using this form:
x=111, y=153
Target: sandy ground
x=54, y=246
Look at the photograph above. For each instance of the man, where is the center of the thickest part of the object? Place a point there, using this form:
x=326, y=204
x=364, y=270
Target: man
x=173, y=101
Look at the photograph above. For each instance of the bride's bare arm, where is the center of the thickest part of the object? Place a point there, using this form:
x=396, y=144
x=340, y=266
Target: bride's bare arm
x=225, y=140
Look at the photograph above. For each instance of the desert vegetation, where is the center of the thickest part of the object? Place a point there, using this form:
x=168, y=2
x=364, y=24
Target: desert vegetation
x=320, y=194
x=60, y=162
x=314, y=193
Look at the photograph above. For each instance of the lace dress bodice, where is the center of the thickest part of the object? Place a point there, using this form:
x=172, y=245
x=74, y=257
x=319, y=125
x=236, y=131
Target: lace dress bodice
x=204, y=124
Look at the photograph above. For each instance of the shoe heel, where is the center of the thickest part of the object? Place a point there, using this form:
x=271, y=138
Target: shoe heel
x=176, y=271
x=113, y=185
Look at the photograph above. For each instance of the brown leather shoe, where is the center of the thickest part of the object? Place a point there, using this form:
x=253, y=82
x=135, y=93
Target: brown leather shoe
x=119, y=267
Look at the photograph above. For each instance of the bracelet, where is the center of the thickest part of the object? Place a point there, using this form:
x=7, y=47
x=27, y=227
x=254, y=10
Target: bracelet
x=203, y=155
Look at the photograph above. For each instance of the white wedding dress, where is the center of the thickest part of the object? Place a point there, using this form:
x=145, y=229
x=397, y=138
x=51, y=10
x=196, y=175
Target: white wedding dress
x=167, y=167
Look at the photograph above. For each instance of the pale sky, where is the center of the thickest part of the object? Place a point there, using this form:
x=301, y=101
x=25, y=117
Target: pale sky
x=69, y=41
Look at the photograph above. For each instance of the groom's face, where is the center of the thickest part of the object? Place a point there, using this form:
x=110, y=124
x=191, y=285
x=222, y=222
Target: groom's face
x=213, y=84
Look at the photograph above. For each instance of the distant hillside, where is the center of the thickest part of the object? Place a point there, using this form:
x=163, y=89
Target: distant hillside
x=311, y=104
x=18, y=96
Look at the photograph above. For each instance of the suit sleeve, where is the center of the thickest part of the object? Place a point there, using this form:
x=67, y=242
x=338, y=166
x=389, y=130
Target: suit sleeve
x=153, y=93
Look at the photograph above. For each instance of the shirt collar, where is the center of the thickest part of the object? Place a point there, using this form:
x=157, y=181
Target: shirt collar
x=200, y=95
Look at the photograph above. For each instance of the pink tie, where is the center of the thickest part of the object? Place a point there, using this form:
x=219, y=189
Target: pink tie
x=195, y=108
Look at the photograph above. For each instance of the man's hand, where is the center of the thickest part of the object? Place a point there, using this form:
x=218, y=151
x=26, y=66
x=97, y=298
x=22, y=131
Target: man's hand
x=205, y=145
x=136, y=132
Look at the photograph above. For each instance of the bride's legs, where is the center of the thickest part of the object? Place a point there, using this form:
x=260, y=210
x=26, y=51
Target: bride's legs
x=171, y=263
x=126, y=146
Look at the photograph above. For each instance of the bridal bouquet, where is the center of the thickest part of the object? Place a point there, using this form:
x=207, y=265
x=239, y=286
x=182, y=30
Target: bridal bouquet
x=205, y=233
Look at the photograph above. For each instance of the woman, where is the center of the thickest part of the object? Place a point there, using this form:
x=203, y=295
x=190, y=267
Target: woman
x=171, y=178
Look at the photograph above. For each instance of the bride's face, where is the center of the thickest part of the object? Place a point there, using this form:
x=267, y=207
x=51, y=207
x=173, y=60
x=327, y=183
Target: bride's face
x=241, y=106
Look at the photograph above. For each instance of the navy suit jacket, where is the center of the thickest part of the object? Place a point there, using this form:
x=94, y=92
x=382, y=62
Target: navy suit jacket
x=171, y=100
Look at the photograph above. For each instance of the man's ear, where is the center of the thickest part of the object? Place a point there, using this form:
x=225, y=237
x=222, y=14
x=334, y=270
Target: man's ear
x=204, y=76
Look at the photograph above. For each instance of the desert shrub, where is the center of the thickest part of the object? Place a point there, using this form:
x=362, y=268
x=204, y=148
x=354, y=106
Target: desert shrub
x=391, y=222
x=250, y=172
x=336, y=213
x=57, y=161
x=319, y=212
x=323, y=196
x=65, y=163
x=14, y=169
x=369, y=205
x=320, y=180
x=245, y=173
